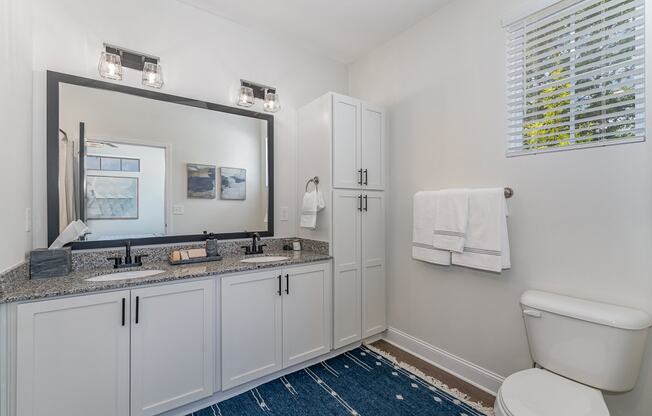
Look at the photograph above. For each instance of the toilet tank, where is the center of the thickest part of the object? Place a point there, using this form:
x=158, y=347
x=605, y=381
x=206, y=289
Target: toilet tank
x=597, y=344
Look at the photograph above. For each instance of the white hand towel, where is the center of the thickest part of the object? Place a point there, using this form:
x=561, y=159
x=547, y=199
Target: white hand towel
x=422, y=230
x=313, y=202
x=487, y=241
x=451, y=220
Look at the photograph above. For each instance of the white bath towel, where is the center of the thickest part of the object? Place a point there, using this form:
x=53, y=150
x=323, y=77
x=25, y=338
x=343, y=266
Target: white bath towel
x=487, y=241
x=313, y=202
x=423, y=224
x=451, y=218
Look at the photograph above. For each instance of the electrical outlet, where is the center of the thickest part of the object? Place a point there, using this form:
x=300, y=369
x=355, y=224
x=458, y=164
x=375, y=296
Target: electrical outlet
x=285, y=214
x=178, y=210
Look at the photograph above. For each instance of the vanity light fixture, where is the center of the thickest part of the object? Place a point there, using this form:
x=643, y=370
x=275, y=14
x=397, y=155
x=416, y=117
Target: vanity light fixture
x=272, y=103
x=152, y=75
x=114, y=58
x=245, y=96
x=110, y=66
x=249, y=91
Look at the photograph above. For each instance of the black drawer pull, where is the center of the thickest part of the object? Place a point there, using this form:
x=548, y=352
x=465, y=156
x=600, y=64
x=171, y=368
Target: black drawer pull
x=137, y=308
x=360, y=203
x=287, y=284
x=366, y=203
x=124, y=302
x=359, y=176
x=280, y=286
x=366, y=176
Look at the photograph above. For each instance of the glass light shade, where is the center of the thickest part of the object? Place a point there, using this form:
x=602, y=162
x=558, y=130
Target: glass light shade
x=272, y=103
x=110, y=66
x=152, y=75
x=245, y=97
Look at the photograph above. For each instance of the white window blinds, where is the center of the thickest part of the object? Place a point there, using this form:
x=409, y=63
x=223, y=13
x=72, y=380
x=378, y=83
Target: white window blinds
x=576, y=77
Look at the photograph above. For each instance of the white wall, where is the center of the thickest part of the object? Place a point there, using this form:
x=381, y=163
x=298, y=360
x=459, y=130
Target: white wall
x=203, y=57
x=581, y=221
x=15, y=129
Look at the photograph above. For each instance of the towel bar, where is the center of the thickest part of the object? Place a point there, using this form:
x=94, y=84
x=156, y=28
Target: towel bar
x=314, y=180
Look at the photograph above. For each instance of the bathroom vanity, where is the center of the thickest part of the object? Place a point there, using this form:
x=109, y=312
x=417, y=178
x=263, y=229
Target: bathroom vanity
x=150, y=345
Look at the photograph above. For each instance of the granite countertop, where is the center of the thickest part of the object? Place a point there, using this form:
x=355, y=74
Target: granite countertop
x=20, y=287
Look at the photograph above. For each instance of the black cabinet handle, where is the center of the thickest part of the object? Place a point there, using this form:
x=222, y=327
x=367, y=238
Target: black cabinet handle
x=366, y=176
x=137, y=308
x=359, y=176
x=360, y=203
x=124, y=302
x=366, y=203
x=280, y=286
x=287, y=284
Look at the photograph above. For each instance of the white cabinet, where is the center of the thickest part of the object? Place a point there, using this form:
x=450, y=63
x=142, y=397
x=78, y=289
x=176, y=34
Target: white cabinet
x=73, y=356
x=347, y=146
x=251, y=327
x=306, y=313
x=148, y=350
x=347, y=275
x=358, y=146
x=272, y=320
x=374, y=318
x=343, y=142
x=172, y=356
x=373, y=147
x=359, y=256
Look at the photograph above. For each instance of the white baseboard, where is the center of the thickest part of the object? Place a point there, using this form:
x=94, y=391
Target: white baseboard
x=471, y=373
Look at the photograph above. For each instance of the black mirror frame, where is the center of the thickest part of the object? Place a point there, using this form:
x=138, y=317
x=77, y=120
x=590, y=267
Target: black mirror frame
x=54, y=79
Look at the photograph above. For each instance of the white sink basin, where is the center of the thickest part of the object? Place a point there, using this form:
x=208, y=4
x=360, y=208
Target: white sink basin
x=264, y=259
x=131, y=274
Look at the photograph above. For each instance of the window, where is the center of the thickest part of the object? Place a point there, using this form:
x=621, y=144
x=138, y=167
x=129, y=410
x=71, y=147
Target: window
x=115, y=164
x=576, y=76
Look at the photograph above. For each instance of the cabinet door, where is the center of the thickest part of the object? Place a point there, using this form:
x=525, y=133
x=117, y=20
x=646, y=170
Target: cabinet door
x=172, y=359
x=346, y=143
x=306, y=313
x=347, y=284
x=373, y=147
x=73, y=356
x=251, y=327
x=374, y=318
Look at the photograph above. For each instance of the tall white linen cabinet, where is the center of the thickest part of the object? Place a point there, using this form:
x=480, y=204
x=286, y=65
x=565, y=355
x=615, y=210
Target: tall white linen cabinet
x=342, y=141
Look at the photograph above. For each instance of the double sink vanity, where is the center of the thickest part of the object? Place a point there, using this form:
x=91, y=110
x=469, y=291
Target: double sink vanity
x=161, y=338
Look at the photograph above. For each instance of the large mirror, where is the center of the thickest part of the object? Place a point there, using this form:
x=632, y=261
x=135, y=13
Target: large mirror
x=153, y=168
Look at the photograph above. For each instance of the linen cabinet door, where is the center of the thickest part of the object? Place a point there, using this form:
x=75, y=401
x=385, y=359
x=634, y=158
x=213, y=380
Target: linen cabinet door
x=73, y=356
x=172, y=351
x=251, y=327
x=373, y=148
x=347, y=285
x=374, y=319
x=347, y=171
x=306, y=313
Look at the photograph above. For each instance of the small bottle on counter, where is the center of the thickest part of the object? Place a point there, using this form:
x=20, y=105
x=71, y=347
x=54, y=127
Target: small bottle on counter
x=211, y=245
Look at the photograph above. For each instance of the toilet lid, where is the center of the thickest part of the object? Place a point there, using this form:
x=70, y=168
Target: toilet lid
x=537, y=392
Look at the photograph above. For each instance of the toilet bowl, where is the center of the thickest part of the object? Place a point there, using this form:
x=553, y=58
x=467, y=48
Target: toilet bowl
x=582, y=348
x=538, y=392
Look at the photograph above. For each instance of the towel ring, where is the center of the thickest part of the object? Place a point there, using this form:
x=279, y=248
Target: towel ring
x=314, y=180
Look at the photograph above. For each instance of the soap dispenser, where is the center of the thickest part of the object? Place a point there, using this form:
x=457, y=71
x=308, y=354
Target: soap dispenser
x=211, y=245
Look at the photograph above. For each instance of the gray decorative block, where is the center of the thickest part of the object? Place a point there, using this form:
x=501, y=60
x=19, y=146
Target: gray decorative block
x=45, y=263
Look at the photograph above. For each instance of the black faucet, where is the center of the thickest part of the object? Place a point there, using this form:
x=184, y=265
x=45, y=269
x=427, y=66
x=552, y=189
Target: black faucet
x=255, y=248
x=128, y=262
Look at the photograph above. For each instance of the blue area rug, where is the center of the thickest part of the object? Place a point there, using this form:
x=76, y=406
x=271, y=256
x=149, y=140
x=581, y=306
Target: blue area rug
x=359, y=382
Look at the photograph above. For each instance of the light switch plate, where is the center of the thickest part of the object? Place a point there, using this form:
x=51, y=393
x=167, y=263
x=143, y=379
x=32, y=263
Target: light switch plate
x=178, y=210
x=285, y=215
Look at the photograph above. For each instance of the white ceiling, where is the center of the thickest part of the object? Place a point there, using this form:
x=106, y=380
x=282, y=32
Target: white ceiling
x=344, y=30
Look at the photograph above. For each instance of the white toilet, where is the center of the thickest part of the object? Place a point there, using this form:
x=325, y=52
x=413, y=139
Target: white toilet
x=580, y=348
